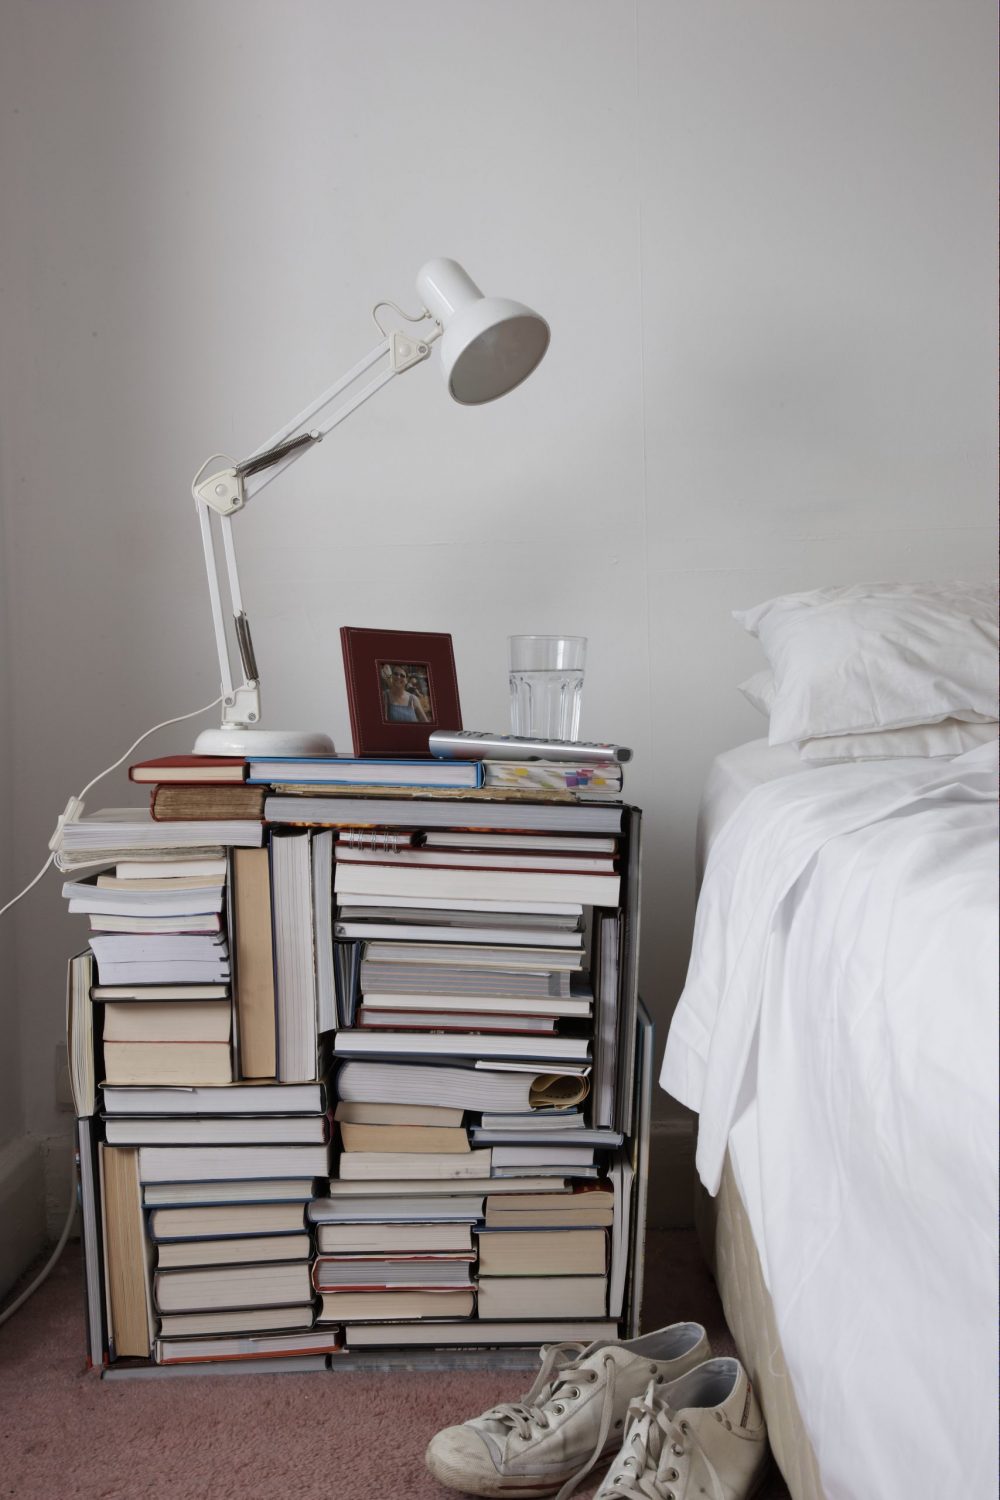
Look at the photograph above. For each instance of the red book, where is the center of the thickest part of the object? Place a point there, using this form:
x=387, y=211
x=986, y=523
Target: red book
x=196, y=769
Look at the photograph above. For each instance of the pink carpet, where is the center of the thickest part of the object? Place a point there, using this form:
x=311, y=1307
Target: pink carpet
x=66, y=1435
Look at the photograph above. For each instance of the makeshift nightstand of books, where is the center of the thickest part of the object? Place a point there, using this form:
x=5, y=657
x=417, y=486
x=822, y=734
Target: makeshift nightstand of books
x=364, y=1083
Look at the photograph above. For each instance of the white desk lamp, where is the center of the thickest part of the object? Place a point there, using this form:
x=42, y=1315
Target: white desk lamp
x=489, y=345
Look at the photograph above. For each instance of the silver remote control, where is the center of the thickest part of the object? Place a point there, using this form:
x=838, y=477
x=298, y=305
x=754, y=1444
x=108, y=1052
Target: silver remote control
x=479, y=744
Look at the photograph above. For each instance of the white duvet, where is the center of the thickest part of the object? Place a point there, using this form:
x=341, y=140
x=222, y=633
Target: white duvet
x=843, y=988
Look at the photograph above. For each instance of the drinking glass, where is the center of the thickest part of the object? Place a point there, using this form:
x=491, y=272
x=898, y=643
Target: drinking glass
x=546, y=685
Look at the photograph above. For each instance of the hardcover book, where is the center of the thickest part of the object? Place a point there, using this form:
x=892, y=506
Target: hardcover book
x=188, y=803
x=189, y=768
x=342, y=770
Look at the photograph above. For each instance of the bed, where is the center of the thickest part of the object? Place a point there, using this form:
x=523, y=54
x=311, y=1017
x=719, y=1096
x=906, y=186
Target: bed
x=837, y=1037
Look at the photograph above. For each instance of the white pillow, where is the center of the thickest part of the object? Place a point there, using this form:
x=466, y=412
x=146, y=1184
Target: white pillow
x=758, y=690
x=949, y=738
x=848, y=660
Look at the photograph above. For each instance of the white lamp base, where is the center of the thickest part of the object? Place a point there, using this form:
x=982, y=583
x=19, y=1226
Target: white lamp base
x=251, y=743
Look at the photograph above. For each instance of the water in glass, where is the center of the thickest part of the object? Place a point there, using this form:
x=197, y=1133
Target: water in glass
x=546, y=704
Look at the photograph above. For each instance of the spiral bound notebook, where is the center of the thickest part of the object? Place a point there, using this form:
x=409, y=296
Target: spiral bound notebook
x=377, y=840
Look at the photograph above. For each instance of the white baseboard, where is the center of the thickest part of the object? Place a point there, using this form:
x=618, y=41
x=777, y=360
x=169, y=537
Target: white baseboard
x=671, y=1174
x=22, y=1207
x=59, y=1166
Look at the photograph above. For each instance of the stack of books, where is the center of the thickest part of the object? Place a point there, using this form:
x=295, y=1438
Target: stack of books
x=464, y=974
x=354, y=1061
x=203, y=1161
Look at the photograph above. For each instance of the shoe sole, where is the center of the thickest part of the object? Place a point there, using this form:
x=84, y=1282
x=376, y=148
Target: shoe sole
x=498, y=1484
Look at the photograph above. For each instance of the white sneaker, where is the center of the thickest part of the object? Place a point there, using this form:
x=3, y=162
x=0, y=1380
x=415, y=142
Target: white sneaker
x=703, y=1434
x=573, y=1416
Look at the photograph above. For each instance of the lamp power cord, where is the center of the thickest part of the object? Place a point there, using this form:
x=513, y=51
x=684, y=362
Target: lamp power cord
x=77, y=804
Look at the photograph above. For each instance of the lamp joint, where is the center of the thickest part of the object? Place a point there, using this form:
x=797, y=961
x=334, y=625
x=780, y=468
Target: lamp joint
x=405, y=351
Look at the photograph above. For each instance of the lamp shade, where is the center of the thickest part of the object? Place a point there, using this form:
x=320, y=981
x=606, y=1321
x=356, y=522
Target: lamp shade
x=490, y=344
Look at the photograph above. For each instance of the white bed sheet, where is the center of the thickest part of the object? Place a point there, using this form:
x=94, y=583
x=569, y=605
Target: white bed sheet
x=733, y=774
x=838, y=1034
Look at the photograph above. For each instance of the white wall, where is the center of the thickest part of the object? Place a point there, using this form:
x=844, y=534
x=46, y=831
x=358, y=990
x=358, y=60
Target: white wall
x=763, y=236
x=22, y=1186
x=11, y=1118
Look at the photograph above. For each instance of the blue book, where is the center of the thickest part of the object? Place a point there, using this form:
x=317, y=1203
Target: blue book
x=346, y=770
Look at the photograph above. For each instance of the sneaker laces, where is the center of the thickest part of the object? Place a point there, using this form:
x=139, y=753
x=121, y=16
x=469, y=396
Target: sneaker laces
x=558, y=1360
x=558, y=1376
x=654, y=1437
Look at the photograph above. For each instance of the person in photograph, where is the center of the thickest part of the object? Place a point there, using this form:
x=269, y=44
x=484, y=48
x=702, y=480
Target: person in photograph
x=400, y=704
x=416, y=683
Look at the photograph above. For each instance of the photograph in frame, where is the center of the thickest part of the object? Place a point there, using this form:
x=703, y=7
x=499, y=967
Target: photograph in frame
x=401, y=685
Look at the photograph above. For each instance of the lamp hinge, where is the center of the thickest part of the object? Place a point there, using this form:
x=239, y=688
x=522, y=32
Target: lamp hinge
x=405, y=351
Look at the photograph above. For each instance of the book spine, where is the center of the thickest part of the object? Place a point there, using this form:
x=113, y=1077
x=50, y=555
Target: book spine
x=93, y=1281
x=251, y=948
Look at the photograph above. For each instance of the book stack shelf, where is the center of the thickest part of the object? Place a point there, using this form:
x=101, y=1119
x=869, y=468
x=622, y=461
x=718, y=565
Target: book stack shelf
x=361, y=1071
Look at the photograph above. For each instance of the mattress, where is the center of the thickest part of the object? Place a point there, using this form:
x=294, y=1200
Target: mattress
x=734, y=773
x=730, y=1225
x=836, y=1037
x=731, y=1250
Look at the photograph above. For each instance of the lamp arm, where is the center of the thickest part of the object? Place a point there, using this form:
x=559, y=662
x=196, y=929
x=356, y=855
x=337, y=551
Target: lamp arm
x=223, y=487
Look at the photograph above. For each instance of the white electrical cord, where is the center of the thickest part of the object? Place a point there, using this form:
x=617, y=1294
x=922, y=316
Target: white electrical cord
x=165, y=724
x=28, y=887
x=420, y=317
x=9, y=1312
x=71, y=1215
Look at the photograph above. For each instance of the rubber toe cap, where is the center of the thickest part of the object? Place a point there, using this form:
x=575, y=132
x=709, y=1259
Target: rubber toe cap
x=459, y=1458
